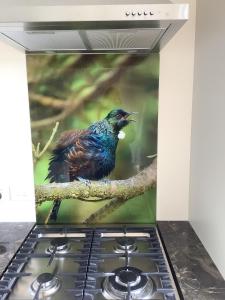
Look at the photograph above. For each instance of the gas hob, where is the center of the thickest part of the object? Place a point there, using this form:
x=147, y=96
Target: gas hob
x=68, y=262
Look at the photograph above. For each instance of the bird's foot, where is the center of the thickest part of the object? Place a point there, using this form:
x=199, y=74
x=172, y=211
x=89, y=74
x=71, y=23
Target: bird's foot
x=86, y=181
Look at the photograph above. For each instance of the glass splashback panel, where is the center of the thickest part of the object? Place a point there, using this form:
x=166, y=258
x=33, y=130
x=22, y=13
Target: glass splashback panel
x=94, y=135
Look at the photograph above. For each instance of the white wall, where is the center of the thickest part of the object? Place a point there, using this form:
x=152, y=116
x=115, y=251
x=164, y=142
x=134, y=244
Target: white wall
x=16, y=178
x=175, y=108
x=207, y=189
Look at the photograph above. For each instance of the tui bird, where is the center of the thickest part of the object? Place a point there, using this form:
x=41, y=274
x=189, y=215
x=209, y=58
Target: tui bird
x=87, y=154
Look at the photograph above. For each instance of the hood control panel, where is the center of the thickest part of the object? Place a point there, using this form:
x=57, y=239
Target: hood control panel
x=139, y=13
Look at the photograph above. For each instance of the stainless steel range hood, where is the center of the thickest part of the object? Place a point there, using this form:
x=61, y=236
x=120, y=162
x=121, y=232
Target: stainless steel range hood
x=90, y=26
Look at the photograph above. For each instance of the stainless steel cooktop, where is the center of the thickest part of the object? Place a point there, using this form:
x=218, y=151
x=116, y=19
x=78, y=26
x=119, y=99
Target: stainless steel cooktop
x=68, y=262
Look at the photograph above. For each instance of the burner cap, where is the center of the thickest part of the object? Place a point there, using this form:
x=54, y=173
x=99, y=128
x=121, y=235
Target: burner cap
x=45, y=278
x=125, y=241
x=125, y=244
x=127, y=276
x=49, y=284
x=127, y=279
x=60, y=244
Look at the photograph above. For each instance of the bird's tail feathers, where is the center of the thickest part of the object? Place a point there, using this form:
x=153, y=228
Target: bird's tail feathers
x=58, y=171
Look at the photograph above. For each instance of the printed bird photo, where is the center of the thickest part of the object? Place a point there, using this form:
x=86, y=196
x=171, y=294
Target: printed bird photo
x=87, y=154
x=94, y=136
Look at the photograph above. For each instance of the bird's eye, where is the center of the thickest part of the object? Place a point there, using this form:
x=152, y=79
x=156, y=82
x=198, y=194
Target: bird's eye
x=119, y=116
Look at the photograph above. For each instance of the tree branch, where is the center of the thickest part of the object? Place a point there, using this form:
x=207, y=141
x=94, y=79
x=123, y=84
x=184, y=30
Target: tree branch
x=99, y=190
x=102, y=84
x=45, y=69
x=104, y=211
x=37, y=153
x=108, y=208
x=48, y=101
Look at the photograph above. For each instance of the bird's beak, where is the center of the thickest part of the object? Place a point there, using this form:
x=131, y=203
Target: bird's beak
x=130, y=114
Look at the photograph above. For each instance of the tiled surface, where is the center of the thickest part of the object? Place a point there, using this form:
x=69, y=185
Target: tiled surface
x=197, y=275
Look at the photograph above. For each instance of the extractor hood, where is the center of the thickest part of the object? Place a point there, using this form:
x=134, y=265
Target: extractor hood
x=87, y=26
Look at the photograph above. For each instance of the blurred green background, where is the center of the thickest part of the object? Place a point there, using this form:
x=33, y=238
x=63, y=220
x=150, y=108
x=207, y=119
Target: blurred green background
x=77, y=90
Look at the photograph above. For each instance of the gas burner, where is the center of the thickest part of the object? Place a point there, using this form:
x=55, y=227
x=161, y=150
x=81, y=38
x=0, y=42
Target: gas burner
x=128, y=281
x=45, y=284
x=69, y=262
x=124, y=244
x=59, y=245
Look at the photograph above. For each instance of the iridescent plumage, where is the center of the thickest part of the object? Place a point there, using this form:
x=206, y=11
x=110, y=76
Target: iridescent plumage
x=89, y=154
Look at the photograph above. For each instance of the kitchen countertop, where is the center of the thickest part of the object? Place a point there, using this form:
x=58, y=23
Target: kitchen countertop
x=196, y=273
x=11, y=237
x=197, y=276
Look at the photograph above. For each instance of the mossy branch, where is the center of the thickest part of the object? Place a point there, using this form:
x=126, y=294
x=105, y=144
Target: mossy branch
x=108, y=208
x=99, y=190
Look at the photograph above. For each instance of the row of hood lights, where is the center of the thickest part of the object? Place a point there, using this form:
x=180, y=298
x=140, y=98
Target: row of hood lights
x=139, y=13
